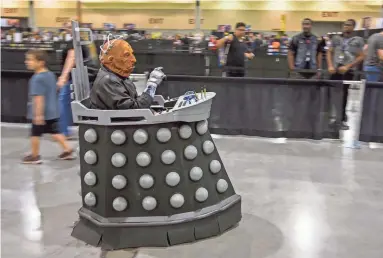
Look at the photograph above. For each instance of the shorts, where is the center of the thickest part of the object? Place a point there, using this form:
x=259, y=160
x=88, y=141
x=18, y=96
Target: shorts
x=50, y=127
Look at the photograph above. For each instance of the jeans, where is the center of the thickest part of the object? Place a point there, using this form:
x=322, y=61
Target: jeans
x=375, y=74
x=65, y=109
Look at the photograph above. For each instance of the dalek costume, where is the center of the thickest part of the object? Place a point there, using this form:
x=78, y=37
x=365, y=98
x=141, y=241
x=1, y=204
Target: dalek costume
x=156, y=180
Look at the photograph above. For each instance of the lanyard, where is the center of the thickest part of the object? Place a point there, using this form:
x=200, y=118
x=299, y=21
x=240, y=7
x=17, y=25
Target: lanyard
x=345, y=44
x=308, y=49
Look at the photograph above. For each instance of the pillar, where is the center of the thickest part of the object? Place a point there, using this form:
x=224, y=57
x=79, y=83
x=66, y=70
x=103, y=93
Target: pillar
x=79, y=11
x=197, y=15
x=31, y=19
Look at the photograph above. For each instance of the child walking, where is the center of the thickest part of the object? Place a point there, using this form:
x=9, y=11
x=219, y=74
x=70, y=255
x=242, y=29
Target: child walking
x=43, y=107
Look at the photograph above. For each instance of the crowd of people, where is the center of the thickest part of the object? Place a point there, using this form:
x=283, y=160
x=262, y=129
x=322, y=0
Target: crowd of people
x=345, y=55
x=343, y=52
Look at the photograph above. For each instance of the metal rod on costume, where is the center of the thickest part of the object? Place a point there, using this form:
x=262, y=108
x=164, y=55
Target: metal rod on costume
x=80, y=73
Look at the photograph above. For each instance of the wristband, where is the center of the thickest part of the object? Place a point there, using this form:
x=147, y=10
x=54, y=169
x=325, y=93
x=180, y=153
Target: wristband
x=151, y=89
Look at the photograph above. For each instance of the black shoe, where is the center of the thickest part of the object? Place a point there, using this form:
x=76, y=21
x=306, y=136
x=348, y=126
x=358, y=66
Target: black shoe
x=344, y=126
x=32, y=160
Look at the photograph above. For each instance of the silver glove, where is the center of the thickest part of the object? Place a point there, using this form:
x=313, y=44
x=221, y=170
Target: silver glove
x=156, y=76
x=155, y=79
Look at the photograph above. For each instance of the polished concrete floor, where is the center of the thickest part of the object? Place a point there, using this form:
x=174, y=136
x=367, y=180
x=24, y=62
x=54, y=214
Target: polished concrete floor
x=301, y=199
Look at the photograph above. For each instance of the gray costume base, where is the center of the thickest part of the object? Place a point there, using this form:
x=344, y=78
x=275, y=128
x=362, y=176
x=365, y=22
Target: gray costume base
x=164, y=225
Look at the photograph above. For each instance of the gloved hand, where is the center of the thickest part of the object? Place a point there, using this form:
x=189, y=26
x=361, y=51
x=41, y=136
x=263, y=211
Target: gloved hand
x=155, y=79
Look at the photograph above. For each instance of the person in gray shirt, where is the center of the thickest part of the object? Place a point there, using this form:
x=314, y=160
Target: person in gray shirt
x=344, y=56
x=373, y=64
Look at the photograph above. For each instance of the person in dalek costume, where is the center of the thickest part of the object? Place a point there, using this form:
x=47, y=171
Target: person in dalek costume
x=153, y=182
x=112, y=88
x=236, y=50
x=305, y=53
x=344, y=57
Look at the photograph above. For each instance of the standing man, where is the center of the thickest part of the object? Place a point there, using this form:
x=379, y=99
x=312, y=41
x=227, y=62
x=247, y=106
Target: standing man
x=64, y=82
x=344, y=56
x=373, y=64
x=236, y=50
x=305, y=51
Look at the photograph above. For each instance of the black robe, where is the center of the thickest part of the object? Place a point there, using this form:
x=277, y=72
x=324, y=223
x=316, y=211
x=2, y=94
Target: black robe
x=111, y=92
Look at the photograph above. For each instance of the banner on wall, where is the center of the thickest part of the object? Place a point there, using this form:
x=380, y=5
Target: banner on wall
x=224, y=28
x=283, y=22
x=379, y=23
x=129, y=26
x=86, y=25
x=109, y=26
x=10, y=22
x=367, y=23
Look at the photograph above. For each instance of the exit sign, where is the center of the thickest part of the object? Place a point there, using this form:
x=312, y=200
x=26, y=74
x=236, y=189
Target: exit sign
x=10, y=10
x=330, y=14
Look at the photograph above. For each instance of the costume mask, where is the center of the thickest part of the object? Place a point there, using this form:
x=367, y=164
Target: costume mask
x=117, y=55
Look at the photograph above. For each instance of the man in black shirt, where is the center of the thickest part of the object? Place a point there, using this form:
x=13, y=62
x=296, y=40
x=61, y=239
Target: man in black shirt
x=236, y=50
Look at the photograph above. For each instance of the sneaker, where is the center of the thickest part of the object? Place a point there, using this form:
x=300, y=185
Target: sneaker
x=32, y=160
x=344, y=126
x=66, y=155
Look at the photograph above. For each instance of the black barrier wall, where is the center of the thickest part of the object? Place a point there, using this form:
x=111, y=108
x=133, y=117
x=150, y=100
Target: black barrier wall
x=246, y=106
x=249, y=106
x=267, y=107
x=173, y=63
x=14, y=96
x=372, y=118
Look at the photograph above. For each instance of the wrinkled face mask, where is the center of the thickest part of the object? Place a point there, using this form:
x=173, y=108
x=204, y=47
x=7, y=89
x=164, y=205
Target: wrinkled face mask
x=117, y=55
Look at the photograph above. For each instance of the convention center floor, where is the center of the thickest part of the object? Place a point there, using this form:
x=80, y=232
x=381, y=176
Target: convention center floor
x=301, y=199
